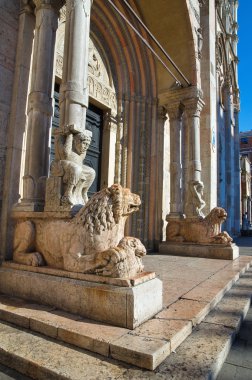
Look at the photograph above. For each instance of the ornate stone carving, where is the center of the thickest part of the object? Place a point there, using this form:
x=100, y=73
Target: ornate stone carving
x=196, y=196
x=200, y=41
x=70, y=151
x=200, y=230
x=99, y=86
x=91, y=242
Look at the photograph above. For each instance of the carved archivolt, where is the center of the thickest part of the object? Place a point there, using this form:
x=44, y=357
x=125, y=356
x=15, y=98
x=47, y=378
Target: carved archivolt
x=100, y=84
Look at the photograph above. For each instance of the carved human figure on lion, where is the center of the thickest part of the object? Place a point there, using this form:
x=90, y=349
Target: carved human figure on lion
x=91, y=242
x=70, y=151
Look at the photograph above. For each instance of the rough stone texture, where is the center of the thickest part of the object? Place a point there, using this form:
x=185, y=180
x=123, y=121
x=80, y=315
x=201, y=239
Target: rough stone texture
x=124, y=282
x=173, y=331
x=91, y=242
x=202, y=352
x=185, y=309
x=120, y=306
x=141, y=351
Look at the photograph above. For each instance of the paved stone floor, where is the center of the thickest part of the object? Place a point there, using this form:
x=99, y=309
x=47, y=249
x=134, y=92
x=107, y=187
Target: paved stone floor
x=238, y=365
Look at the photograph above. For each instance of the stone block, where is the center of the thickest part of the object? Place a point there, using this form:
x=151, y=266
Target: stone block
x=141, y=351
x=207, y=251
x=121, y=306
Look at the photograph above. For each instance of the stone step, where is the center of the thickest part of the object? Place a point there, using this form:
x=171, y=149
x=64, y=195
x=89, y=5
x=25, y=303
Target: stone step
x=200, y=356
x=146, y=346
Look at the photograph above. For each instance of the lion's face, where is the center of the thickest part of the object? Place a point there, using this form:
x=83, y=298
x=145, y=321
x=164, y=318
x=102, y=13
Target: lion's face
x=218, y=215
x=130, y=202
x=133, y=244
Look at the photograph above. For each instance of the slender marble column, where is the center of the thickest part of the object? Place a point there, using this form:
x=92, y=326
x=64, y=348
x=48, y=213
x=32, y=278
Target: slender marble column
x=237, y=173
x=74, y=91
x=40, y=105
x=194, y=200
x=228, y=151
x=175, y=112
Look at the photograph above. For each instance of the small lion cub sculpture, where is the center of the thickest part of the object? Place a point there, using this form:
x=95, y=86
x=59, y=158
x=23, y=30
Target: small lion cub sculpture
x=91, y=242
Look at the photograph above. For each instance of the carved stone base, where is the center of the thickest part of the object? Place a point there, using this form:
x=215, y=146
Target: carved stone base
x=54, y=192
x=123, y=305
x=207, y=251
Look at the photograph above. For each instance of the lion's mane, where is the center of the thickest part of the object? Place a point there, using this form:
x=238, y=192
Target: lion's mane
x=102, y=211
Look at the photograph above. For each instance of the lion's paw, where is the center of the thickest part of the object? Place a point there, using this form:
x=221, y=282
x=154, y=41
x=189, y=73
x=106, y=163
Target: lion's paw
x=35, y=259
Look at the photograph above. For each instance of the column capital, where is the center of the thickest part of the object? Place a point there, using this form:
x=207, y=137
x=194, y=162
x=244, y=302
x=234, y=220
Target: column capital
x=180, y=94
x=175, y=110
x=85, y=4
x=193, y=106
x=26, y=6
x=162, y=113
x=55, y=4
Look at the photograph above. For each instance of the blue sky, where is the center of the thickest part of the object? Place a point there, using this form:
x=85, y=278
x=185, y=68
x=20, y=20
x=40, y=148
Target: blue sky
x=245, y=64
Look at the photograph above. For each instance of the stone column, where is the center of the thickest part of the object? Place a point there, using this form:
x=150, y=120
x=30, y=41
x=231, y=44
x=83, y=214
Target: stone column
x=40, y=105
x=237, y=189
x=109, y=151
x=74, y=91
x=175, y=112
x=16, y=127
x=228, y=151
x=119, y=136
x=194, y=201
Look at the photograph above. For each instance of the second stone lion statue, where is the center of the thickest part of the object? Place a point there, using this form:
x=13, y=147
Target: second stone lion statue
x=202, y=230
x=91, y=242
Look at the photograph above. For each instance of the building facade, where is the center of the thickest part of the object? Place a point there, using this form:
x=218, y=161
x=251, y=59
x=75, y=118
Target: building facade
x=167, y=128
x=246, y=170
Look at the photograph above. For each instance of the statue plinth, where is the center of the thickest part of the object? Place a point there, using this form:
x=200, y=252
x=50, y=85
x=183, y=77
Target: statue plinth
x=207, y=251
x=116, y=302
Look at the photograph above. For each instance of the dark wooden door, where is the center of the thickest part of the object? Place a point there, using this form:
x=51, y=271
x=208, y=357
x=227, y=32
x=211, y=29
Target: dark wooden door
x=94, y=122
x=93, y=157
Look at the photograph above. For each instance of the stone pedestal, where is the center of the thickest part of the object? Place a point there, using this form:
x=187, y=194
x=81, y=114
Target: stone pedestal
x=117, y=302
x=207, y=251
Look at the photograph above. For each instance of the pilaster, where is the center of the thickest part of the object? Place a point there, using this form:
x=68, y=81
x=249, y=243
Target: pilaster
x=194, y=190
x=109, y=151
x=175, y=111
x=17, y=122
x=39, y=106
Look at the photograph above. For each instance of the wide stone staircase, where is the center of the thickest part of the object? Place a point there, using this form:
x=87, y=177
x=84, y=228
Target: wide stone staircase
x=205, y=302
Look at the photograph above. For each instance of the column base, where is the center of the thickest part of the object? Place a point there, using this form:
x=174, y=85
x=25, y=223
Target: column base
x=175, y=216
x=28, y=206
x=207, y=251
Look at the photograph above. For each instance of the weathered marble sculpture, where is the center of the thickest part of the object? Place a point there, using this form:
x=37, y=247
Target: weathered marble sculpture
x=196, y=197
x=70, y=151
x=91, y=242
x=201, y=230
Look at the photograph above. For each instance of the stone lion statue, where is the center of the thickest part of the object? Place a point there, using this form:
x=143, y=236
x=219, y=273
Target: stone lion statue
x=91, y=242
x=202, y=230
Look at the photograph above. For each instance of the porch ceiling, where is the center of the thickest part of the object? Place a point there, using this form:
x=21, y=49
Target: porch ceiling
x=170, y=23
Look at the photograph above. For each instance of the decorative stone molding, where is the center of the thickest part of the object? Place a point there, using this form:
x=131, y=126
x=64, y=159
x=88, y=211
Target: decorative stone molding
x=55, y=4
x=99, y=82
x=26, y=6
x=175, y=110
x=193, y=106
